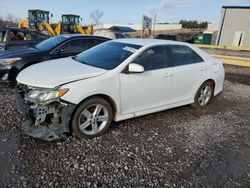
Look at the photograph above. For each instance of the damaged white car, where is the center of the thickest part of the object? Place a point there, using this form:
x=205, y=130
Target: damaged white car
x=114, y=81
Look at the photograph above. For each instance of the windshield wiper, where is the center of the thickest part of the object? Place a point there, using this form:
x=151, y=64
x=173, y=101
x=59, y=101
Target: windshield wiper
x=74, y=58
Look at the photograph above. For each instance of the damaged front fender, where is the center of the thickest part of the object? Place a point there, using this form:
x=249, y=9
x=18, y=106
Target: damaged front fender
x=47, y=122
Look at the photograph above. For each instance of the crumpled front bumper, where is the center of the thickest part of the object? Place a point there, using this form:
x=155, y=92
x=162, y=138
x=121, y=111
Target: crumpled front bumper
x=48, y=122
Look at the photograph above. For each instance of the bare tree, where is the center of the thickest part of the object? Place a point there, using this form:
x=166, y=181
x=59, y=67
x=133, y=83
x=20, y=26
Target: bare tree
x=96, y=16
x=10, y=18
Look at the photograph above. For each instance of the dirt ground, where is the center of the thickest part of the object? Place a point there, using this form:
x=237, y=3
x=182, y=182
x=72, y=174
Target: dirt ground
x=182, y=147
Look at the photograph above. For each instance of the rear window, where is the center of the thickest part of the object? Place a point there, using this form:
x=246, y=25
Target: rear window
x=2, y=36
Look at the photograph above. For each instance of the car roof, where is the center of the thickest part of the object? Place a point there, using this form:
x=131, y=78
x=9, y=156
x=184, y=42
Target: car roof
x=82, y=35
x=9, y=27
x=14, y=29
x=71, y=15
x=148, y=42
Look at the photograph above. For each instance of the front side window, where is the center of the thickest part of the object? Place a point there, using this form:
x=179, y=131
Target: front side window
x=51, y=42
x=108, y=55
x=183, y=55
x=154, y=58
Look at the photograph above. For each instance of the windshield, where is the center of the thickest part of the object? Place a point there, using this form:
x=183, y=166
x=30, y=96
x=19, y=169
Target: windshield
x=51, y=43
x=107, y=55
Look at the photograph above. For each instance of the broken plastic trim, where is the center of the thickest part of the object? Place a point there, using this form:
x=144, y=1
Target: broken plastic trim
x=46, y=122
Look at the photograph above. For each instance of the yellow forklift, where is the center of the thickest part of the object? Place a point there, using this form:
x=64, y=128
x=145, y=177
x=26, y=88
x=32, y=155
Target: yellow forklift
x=38, y=20
x=71, y=24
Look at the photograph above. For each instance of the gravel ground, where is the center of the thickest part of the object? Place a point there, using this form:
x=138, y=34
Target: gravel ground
x=183, y=147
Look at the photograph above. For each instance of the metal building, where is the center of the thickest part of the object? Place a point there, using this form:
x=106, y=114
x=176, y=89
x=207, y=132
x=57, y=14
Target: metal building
x=234, y=27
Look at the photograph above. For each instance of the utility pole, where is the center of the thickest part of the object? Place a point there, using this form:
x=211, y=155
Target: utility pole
x=154, y=25
x=142, y=28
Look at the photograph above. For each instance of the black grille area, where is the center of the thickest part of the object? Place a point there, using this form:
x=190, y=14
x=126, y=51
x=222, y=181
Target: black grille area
x=22, y=90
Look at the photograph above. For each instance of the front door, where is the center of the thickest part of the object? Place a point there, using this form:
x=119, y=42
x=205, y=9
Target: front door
x=150, y=89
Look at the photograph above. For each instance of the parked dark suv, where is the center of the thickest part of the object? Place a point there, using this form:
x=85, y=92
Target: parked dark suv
x=13, y=61
x=13, y=38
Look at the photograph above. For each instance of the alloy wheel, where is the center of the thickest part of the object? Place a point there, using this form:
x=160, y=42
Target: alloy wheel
x=205, y=95
x=93, y=119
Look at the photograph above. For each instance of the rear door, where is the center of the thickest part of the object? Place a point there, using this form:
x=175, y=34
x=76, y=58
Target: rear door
x=189, y=70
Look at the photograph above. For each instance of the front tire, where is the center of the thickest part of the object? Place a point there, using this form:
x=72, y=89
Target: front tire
x=92, y=118
x=204, y=95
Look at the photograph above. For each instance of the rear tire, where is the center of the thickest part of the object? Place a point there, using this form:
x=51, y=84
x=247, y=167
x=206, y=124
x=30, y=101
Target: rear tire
x=204, y=95
x=92, y=118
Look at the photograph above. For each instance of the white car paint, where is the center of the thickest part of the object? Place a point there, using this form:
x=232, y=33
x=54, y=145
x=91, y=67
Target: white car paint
x=53, y=73
x=133, y=94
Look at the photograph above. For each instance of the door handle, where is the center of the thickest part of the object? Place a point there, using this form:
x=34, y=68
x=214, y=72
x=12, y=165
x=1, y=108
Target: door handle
x=203, y=68
x=168, y=75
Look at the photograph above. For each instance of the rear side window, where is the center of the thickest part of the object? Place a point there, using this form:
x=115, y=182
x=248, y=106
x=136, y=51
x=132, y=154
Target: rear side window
x=95, y=42
x=2, y=36
x=75, y=46
x=183, y=55
x=154, y=58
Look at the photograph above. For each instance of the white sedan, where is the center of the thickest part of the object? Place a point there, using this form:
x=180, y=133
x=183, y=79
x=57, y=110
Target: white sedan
x=114, y=81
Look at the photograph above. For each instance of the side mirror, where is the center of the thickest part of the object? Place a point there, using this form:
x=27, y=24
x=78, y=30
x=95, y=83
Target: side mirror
x=135, y=68
x=59, y=51
x=62, y=50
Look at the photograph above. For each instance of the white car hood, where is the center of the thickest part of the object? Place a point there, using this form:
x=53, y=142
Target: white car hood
x=53, y=73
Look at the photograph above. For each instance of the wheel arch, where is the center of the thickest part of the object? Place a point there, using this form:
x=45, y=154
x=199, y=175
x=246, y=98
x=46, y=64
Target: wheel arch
x=212, y=82
x=201, y=83
x=109, y=99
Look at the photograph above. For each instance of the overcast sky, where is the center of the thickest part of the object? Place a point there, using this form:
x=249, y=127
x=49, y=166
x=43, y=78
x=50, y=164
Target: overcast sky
x=124, y=11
